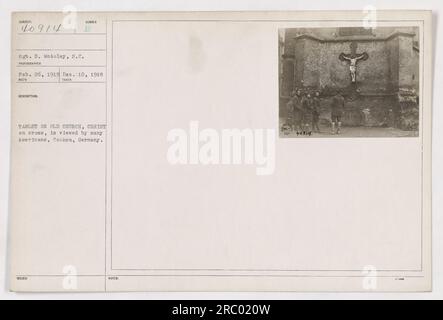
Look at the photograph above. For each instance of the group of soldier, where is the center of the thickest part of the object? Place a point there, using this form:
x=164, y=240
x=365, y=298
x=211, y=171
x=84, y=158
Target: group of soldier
x=304, y=112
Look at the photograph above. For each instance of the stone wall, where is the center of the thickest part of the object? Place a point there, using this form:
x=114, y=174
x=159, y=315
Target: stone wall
x=380, y=111
x=317, y=65
x=387, y=82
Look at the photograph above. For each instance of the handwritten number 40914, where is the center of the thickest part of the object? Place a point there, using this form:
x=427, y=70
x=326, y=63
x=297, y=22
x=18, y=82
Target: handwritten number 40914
x=41, y=28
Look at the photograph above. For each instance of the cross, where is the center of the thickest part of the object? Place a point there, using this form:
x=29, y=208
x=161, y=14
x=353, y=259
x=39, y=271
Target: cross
x=353, y=58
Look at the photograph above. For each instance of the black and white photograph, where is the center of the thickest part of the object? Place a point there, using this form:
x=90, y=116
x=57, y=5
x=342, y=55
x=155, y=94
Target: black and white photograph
x=349, y=82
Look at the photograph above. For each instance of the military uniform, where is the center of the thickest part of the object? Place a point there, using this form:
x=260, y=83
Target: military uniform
x=337, y=109
x=315, y=113
x=307, y=111
x=297, y=113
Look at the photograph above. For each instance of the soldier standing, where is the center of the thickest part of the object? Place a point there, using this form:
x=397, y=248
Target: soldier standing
x=290, y=113
x=337, y=108
x=316, y=111
x=307, y=112
x=297, y=114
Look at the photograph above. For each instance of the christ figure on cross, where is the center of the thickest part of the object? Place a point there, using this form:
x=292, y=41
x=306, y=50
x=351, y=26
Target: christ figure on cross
x=353, y=58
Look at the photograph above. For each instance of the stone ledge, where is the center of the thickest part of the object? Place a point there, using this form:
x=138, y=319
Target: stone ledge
x=351, y=39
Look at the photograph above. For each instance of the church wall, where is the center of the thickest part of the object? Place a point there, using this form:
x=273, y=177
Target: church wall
x=288, y=75
x=406, y=70
x=386, y=81
x=334, y=33
x=416, y=70
x=393, y=49
x=309, y=64
x=319, y=65
x=299, y=60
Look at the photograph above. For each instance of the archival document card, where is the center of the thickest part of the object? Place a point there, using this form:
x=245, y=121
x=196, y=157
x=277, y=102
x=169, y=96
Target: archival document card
x=221, y=151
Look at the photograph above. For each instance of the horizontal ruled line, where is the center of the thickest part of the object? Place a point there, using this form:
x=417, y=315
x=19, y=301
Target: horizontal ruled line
x=60, y=82
x=41, y=66
x=60, y=34
x=58, y=49
x=225, y=275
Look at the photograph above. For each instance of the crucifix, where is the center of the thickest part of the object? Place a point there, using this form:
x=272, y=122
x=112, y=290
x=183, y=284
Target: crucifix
x=353, y=58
